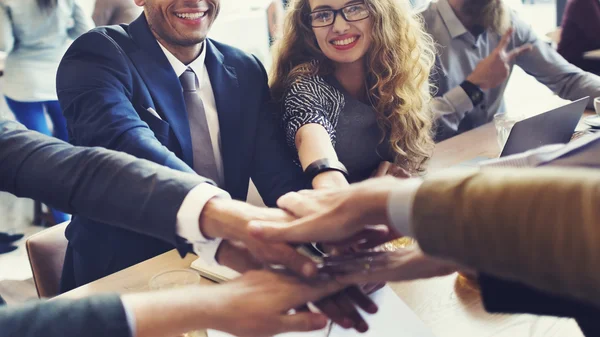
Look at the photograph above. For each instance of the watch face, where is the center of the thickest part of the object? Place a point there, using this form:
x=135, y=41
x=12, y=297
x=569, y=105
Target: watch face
x=476, y=96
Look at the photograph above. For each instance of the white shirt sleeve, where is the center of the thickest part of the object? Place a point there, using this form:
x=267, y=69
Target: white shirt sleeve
x=400, y=203
x=188, y=217
x=130, y=316
x=452, y=105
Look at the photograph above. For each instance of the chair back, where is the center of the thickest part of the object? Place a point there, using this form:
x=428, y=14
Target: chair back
x=46, y=251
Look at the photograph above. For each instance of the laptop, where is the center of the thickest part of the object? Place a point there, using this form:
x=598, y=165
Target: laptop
x=552, y=127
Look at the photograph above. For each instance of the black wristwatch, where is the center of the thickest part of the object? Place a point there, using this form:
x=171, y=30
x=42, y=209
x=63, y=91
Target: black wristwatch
x=474, y=92
x=324, y=165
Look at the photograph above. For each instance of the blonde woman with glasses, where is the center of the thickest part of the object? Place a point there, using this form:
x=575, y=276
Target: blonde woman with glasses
x=352, y=80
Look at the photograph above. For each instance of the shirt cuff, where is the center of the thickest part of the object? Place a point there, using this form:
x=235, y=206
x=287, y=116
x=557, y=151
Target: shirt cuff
x=400, y=203
x=130, y=316
x=187, y=226
x=459, y=99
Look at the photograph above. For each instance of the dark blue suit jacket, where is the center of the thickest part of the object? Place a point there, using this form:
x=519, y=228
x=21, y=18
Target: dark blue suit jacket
x=108, y=79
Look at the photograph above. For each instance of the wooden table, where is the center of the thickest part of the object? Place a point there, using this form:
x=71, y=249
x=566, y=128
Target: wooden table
x=448, y=305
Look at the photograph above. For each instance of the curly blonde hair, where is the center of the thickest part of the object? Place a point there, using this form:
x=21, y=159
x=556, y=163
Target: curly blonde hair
x=399, y=61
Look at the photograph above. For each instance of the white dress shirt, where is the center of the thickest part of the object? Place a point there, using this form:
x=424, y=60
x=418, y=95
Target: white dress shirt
x=188, y=216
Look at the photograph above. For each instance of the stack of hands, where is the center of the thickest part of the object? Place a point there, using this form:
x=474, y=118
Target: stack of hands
x=349, y=221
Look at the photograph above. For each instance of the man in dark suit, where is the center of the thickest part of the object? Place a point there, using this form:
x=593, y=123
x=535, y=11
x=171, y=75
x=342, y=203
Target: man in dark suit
x=72, y=179
x=160, y=90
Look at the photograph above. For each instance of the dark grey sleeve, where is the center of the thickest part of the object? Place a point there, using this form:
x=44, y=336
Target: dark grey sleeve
x=95, y=316
x=106, y=186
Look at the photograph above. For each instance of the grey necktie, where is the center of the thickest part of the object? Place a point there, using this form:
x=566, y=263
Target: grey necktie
x=204, y=156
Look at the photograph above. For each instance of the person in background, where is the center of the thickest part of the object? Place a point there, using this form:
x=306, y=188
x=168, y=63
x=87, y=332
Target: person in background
x=275, y=14
x=352, y=79
x=479, y=43
x=114, y=12
x=580, y=27
x=35, y=34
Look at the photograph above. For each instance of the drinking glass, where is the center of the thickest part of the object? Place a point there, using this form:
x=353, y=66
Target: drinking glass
x=175, y=279
x=504, y=124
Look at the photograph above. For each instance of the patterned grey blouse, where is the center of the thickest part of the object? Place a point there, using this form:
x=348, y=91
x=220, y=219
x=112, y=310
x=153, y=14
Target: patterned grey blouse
x=351, y=124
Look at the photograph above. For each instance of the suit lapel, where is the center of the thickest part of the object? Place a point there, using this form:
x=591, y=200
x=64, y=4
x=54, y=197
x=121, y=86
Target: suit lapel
x=225, y=85
x=162, y=82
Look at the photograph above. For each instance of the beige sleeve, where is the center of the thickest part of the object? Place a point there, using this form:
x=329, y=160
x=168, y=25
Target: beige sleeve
x=538, y=226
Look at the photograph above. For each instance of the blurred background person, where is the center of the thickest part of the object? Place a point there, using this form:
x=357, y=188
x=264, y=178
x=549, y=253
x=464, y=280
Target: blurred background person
x=480, y=42
x=35, y=35
x=580, y=29
x=114, y=12
x=275, y=15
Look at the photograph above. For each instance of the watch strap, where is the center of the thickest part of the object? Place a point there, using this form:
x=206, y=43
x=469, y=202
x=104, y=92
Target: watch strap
x=476, y=95
x=323, y=165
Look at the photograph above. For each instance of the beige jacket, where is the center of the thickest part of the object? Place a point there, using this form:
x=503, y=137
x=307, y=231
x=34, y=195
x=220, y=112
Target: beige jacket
x=538, y=226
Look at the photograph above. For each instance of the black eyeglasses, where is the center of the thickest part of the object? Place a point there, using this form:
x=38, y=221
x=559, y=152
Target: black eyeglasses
x=350, y=13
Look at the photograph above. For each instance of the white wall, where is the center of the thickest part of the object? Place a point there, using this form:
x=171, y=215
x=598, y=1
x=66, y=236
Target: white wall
x=87, y=5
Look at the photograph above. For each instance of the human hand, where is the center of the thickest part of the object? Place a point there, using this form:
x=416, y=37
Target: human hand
x=495, y=69
x=257, y=303
x=228, y=219
x=354, y=251
x=340, y=216
x=386, y=168
x=338, y=307
x=341, y=308
x=404, y=264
